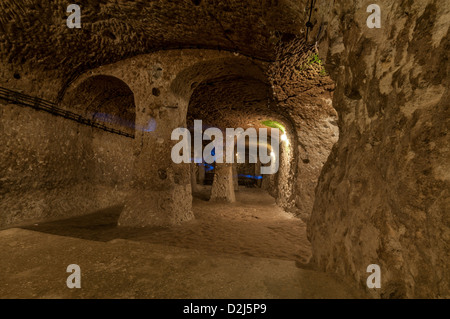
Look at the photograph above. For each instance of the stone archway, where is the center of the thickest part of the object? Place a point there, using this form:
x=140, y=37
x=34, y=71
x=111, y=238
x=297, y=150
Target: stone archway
x=105, y=99
x=235, y=92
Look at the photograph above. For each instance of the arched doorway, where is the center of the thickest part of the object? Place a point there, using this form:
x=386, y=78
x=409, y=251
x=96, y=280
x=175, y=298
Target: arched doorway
x=104, y=99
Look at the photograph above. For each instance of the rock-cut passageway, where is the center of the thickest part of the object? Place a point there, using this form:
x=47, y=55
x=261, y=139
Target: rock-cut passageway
x=341, y=109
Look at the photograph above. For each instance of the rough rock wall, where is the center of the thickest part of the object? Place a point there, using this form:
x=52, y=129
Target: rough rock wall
x=285, y=178
x=52, y=168
x=35, y=31
x=315, y=141
x=383, y=196
x=269, y=183
x=303, y=90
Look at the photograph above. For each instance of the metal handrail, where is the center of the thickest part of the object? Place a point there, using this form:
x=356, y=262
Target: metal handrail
x=50, y=107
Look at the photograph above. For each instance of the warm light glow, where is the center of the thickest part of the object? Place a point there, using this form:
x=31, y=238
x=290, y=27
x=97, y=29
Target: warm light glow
x=284, y=137
x=272, y=154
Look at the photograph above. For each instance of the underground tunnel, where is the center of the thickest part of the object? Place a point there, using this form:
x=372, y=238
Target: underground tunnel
x=334, y=182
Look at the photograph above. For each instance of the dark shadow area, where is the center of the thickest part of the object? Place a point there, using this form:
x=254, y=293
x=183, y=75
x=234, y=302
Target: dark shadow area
x=98, y=226
x=202, y=193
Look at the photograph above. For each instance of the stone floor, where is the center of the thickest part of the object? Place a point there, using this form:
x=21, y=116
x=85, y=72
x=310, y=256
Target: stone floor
x=248, y=249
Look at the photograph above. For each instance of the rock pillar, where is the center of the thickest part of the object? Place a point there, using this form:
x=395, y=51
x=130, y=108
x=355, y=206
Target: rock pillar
x=223, y=185
x=161, y=190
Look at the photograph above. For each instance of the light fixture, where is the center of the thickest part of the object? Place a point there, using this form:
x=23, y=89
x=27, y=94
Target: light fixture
x=284, y=137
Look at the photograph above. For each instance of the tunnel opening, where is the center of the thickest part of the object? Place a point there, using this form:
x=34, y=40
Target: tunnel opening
x=238, y=95
x=297, y=92
x=234, y=93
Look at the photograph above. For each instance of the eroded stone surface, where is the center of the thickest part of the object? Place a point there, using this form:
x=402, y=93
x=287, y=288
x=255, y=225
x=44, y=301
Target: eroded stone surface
x=51, y=167
x=223, y=184
x=383, y=196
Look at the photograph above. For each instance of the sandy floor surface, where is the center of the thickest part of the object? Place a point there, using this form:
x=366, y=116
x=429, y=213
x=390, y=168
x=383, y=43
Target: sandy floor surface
x=253, y=226
x=244, y=250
